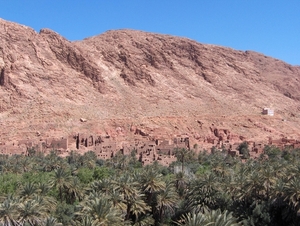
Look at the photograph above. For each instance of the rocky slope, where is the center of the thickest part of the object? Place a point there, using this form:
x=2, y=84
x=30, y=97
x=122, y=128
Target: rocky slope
x=122, y=80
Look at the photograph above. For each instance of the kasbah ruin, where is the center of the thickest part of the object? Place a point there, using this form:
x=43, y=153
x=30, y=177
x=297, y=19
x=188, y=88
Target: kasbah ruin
x=147, y=148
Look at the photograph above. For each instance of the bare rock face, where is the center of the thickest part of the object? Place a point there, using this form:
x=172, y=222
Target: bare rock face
x=67, y=54
x=160, y=84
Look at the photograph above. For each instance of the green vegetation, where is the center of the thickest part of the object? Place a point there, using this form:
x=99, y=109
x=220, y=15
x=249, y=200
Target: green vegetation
x=206, y=189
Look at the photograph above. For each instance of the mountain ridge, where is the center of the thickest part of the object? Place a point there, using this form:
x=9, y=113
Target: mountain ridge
x=124, y=78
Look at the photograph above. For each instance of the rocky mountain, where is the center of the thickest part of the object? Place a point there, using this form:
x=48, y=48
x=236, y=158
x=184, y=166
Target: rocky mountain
x=125, y=80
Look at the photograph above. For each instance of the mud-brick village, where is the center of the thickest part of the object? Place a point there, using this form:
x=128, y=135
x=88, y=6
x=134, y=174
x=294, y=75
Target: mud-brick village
x=147, y=148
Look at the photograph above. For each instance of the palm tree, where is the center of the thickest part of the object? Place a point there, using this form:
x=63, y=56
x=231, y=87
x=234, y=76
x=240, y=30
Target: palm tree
x=85, y=221
x=238, y=183
x=104, y=185
x=218, y=218
x=100, y=211
x=206, y=190
x=254, y=186
x=47, y=202
x=8, y=213
x=61, y=180
x=51, y=221
x=28, y=190
x=138, y=208
x=144, y=220
x=279, y=189
x=43, y=188
x=88, y=159
x=128, y=188
x=15, y=166
x=73, y=158
x=52, y=162
x=74, y=191
x=120, y=161
x=166, y=200
x=192, y=219
x=6, y=167
x=181, y=183
x=292, y=192
x=183, y=155
x=220, y=168
x=209, y=218
x=117, y=199
x=268, y=176
x=25, y=164
x=152, y=184
x=31, y=212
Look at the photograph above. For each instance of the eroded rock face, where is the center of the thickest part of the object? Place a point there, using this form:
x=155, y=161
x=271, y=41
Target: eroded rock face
x=69, y=55
x=160, y=84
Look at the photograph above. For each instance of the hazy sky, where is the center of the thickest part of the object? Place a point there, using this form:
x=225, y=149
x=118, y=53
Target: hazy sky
x=271, y=27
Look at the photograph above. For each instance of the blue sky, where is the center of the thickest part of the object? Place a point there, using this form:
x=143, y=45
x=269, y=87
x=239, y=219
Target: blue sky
x=271, y=27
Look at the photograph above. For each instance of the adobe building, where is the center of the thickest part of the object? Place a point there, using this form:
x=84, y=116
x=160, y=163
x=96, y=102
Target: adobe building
x=145, y=149
x=57, y=144
x=164, y=147
x=268, y=111
x=182, y=142
x=105, y=147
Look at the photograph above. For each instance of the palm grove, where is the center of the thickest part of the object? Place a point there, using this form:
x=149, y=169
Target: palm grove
x=203, y=189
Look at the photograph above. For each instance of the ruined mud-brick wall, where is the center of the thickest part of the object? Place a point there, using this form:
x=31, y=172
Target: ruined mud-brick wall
x=146, y=148
x=127, y=148
x=182, y=142
x=61, y=144
x=13, y=150
x=165, y=160
x=105, y=150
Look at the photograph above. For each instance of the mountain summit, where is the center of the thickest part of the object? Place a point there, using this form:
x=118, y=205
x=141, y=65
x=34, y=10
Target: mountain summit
x=124, y=79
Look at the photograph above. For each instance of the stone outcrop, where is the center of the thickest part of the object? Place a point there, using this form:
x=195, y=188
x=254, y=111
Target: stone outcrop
x=157, y=85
